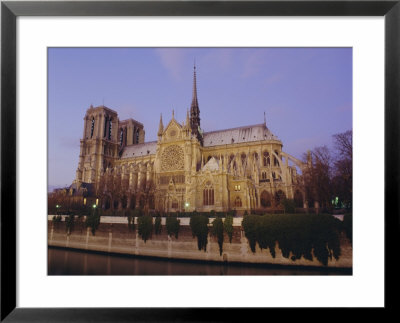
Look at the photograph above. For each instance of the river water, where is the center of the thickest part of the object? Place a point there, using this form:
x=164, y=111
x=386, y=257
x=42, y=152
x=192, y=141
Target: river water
x=73, y=262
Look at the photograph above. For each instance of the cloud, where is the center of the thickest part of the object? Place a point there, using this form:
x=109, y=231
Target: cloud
x=221, y=58
x=128, y=111
x=172, y=59
x=254, y=62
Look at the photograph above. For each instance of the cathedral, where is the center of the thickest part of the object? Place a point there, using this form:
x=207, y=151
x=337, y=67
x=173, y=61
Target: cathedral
x=185, y=169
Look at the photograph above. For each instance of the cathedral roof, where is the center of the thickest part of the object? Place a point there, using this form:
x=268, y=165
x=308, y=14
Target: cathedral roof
x=238, y=135
x=147, y=148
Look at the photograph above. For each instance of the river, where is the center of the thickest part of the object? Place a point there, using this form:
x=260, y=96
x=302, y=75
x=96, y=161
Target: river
x=74, y=262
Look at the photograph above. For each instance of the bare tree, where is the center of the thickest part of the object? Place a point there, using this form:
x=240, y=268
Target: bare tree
x=317, y=177
x=343, y=143
x=343, y=168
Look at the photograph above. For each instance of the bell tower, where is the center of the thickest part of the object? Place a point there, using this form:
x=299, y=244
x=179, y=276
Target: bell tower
x=99, y=144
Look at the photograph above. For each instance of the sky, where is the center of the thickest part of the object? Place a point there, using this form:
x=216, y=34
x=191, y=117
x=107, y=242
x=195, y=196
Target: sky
x=306, y=93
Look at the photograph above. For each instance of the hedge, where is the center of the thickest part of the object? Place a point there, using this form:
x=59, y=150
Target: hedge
x=296, y=234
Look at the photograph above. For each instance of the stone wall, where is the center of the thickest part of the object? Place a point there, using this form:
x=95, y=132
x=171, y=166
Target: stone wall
x=115, y=236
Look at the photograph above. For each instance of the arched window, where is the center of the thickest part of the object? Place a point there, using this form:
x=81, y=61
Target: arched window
x=137, y=136
x=279, y=197
x=266, y=158
x=243, y=158
x=133, y=202
x=92, y=129
x=208, y=194
x=115, y=204
x=151, y=202
x=124, y=202
x=238, y=202
x=107, y=203
x=264, y=175
x=105, y=127
x=141, y=202
x=121, y=136
x=265, y=199
x=298, y=198
x=109, y=128
x=174, y=204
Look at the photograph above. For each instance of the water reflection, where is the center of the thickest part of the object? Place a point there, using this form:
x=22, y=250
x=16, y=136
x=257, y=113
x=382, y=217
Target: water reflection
x=71, y=262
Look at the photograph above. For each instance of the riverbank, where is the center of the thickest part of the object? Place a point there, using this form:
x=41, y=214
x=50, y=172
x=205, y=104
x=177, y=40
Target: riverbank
x=113, y=236
x=66, y=261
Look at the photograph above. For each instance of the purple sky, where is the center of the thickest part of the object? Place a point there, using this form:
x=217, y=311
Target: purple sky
x=306, y=93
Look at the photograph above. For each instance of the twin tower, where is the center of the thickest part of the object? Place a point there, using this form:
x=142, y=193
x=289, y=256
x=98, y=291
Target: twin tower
x=105, y=137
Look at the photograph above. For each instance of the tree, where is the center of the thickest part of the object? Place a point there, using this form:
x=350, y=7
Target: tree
x=217, y=230
x=317, y=177
x=343, y=143
x=228, y=227
x=172, y=224
x=112, y=187
x=343, y=169
x=328, y=176
x=145, y=226
x=199, y=226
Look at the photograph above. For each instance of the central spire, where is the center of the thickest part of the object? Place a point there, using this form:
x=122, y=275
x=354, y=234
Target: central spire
x=195, y=103
x=194, y=110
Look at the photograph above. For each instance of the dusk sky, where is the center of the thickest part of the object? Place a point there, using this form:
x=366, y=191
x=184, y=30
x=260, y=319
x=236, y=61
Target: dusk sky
x=306, y=93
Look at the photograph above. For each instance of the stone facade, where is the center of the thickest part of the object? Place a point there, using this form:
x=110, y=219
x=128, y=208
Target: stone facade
x=186, y=169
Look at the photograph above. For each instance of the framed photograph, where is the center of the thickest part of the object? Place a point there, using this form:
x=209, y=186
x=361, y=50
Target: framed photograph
x=167, y=91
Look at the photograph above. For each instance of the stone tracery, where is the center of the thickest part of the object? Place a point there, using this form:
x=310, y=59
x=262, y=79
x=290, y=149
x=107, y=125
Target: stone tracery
x=172, y=158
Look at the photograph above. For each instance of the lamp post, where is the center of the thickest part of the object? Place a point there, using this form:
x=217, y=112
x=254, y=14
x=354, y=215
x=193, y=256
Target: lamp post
x=187, y=206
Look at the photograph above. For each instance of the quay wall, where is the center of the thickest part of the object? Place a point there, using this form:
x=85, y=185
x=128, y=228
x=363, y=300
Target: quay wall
x=114, y=236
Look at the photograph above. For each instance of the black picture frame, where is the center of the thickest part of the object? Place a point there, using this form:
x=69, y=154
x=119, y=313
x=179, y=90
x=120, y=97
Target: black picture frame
x=10, y=10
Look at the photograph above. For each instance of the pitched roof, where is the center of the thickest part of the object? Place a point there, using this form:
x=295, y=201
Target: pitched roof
x=211, y=165
x=147, y=148
x=238, y=135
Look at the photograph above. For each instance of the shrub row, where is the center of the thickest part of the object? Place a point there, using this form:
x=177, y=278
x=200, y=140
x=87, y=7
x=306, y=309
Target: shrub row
x=299, y=235
x=296, y=234
x=199, y=226
x=348, y=226
x=172, y=224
